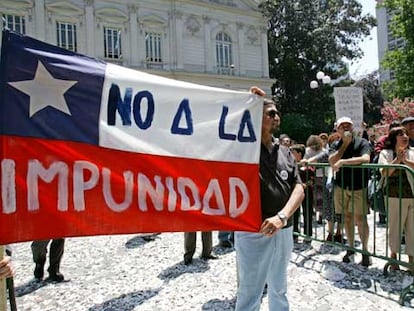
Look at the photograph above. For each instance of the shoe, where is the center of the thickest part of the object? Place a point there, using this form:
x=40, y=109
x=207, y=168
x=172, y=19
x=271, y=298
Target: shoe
x=56, y=277
x=209, y=257
x=330, y=237
x=339, y=239
x=349, y=257
x=38, y=271
x=225, y=244
x=307, y=240
x=188, y=260
x=366, y=260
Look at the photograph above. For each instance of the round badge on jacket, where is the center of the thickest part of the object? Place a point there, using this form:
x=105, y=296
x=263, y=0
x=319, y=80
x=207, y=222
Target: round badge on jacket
x=284, y=174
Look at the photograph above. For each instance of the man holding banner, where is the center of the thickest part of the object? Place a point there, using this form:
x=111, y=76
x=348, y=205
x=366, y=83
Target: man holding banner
x=263, y=257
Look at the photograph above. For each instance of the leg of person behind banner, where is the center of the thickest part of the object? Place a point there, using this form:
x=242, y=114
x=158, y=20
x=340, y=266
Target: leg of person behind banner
x=3, y=300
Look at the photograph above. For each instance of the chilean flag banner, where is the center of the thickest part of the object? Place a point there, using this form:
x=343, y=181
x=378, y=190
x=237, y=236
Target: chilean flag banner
x=91, y=148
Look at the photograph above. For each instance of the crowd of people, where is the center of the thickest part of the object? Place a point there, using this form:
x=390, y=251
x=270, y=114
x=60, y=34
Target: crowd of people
x=336, y=194
x=291, y=188
x=348, y=204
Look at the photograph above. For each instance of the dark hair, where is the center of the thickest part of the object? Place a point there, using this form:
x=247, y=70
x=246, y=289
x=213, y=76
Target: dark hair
x=391, y=140
x=268, y=101
x=299, y=148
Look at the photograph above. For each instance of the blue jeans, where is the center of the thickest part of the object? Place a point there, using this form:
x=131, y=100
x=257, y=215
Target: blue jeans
x=262, y=260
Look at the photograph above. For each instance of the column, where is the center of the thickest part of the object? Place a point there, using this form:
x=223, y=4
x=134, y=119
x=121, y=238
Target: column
x=39, y=15
x=133, y=25
x=208, y=50
x=179, y=30
x=241, y=61
x=265, y=56
x=90, y=28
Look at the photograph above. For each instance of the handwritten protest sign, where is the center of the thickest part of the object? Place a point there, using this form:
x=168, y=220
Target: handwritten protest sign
x=349, y=103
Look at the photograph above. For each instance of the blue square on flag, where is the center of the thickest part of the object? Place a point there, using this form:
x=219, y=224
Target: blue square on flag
x=49, y=92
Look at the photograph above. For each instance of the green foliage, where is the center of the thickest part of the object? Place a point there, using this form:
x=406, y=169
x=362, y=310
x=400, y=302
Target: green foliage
x=401, y=61
x=373, y=97
x=306, y=36
x=296, y=126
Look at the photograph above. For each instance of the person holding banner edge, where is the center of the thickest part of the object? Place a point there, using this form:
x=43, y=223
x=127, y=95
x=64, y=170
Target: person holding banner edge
x=6, y=268
x=263, y=257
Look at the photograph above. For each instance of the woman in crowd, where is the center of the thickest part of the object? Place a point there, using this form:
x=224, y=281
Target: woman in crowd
x=326, y=191
x=307, y=176
x=324, y=138
x=313, y=148
x=398, y=191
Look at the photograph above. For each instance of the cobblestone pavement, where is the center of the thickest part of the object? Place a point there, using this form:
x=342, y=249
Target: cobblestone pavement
x=146, y=272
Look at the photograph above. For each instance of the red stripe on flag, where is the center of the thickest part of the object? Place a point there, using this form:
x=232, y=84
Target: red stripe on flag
x=56, y=189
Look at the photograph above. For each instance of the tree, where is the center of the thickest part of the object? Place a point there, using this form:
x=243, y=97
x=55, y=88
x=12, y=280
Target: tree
x=396, y=109
x=306, y=36
x=373, y=97
x=401, y=61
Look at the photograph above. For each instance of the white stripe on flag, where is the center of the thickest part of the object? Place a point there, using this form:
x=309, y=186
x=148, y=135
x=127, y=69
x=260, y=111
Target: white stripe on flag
x=207, y=106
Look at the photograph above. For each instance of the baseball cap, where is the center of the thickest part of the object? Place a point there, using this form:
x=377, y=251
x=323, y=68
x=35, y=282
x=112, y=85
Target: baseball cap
x=343, y=120
x=407, y=120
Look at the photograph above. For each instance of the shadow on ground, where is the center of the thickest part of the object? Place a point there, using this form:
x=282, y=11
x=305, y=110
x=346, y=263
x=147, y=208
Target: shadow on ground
x=31, y=286
x=140, y=240
x=126, y=302
x=173, y=272
x=222, y=305
x=353, y=276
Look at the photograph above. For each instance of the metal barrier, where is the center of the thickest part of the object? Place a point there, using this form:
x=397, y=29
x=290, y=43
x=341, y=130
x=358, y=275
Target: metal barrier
x=377, y=199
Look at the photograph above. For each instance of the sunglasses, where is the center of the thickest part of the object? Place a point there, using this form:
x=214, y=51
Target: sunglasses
x=272, y=113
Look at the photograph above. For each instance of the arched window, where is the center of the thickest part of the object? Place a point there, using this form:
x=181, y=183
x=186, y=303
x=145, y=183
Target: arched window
x=224, y=55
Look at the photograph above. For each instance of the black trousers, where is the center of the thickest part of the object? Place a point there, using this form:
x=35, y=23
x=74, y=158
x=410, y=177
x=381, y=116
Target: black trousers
x=190, y=239
x=39, y=251
x=307, y=212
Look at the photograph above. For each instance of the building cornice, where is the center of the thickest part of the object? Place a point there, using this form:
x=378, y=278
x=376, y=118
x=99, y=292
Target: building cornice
x=226, y=79
x=255, y=13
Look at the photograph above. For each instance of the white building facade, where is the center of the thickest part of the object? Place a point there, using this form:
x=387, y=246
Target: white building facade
x=386, y=39
x=220, y=43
